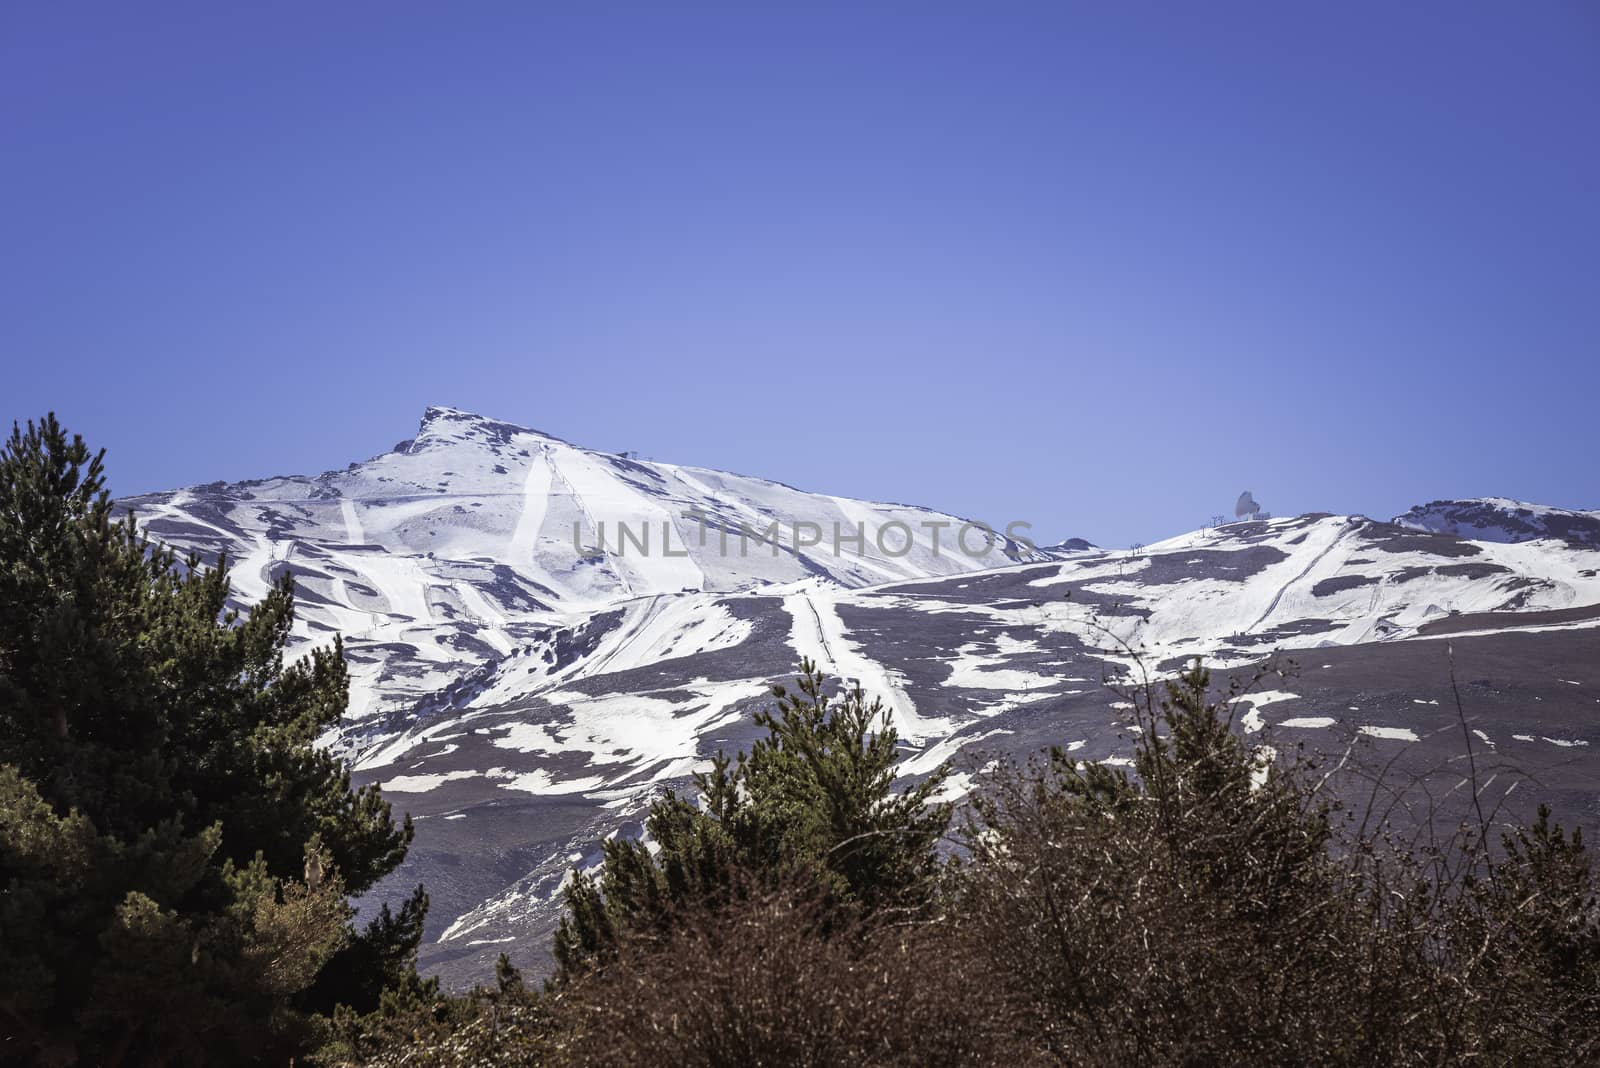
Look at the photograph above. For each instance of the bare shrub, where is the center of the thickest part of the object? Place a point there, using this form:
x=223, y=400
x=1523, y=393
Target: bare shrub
x=773, y=980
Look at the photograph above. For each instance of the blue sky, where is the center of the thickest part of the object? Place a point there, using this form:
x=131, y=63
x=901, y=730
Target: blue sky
x=1100, y=267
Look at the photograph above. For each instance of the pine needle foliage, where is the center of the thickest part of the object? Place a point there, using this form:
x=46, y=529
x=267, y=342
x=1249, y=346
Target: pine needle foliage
x=812, y=804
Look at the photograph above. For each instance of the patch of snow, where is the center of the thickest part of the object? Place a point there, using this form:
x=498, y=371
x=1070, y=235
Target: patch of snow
x=1397, y=734
x=421, y=784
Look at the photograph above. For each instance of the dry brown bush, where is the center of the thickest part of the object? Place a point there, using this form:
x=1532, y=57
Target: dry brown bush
x=760, y=983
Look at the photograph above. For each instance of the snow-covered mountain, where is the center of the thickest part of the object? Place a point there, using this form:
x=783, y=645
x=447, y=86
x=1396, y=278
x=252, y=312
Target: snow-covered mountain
x=478, y=541
x=525, y=680
x=1499, y=519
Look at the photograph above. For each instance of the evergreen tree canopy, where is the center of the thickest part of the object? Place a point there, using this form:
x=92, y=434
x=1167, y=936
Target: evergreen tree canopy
x=812, y=805
x=175, y=851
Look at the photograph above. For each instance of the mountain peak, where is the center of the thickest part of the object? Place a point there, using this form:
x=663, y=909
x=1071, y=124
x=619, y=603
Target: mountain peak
x=441, y=412
x=442, y=424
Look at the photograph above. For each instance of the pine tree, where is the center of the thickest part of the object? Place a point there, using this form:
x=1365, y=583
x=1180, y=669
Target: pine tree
x=175, y=851
x=812, y=805
x=1223, y=809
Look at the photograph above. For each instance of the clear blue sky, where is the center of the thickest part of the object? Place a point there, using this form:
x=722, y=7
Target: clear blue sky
x=1097, y=266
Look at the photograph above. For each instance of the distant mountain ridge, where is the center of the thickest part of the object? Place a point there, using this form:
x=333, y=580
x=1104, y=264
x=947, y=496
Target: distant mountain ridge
x=1504, y=520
